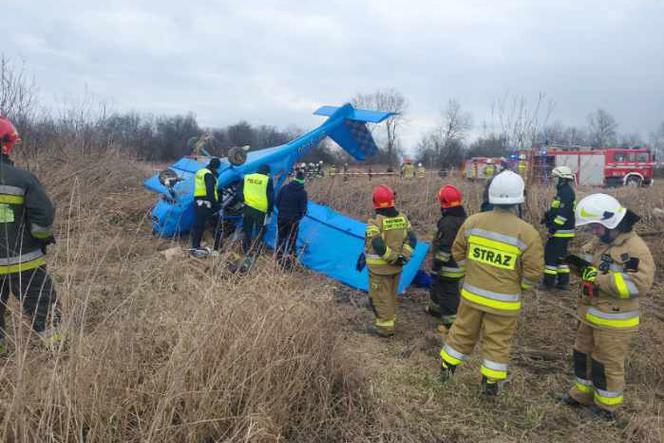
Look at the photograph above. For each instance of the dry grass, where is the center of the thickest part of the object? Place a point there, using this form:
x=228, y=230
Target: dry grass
x=182, y=351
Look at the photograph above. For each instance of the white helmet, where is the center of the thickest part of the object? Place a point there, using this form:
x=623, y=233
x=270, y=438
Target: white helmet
x=563, y=172
x=419, y=165
x=600, y=208
x=506, y=189
x=522, y=156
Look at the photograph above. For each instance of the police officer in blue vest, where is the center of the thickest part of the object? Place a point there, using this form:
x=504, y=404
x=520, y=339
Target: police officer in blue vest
x=206, y=205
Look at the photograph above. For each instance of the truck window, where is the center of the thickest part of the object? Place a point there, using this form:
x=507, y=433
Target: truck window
x=632, y=157
x=642, y=157
x=618, y=156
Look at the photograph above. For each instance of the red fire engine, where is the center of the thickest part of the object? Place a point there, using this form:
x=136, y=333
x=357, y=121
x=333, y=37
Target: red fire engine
x=596, y=166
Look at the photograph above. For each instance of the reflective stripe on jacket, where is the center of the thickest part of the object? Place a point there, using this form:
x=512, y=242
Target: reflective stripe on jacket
x=255, y=191
x=560, y=215
x=394, y=232
x=26, y=219
x=626, y=273
x=503, y=255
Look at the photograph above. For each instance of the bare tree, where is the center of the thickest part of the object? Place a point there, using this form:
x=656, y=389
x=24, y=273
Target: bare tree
x=389, y=100
x=520, y=122
x=602, y=128
x=443, y=147
x=657, y=142
x=17, y=91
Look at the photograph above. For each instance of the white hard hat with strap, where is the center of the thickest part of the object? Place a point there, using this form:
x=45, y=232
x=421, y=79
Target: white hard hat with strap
x=600, y=208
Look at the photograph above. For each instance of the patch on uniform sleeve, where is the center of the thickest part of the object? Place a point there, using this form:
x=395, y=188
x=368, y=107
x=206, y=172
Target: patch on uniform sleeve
x=6, y=214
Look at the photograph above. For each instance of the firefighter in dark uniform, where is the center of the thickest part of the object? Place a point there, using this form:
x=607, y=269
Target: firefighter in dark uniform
x=447, y=272
x=389, y=244
x=206, y=205
x=26, y=216
x=559, y=220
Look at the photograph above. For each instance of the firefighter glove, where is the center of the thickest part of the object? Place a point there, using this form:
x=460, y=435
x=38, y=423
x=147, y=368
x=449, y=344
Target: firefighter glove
x=588, y=276
x=401, y=260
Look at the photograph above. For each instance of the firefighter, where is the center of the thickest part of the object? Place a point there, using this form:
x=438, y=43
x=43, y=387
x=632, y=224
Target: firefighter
x=618, y=272
x=389, y=244
x=27, y=216
x=522, y=166
x=489, y=170
x=559, y=220
x=421, y=171
x=206, y=206
x=503, y=256
x=444, y=290
x=257, y=194
x=408, y=169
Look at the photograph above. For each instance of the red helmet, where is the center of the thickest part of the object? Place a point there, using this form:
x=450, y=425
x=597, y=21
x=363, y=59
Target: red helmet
x=383, y=197
x=449, y=196
x=8, y=135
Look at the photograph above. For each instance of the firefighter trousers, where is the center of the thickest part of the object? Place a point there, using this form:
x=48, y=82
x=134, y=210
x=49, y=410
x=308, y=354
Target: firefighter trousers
x=495, y=332
x=34, y=289
x=444, y=294
x=599, y=366
x=556, y=272
x=383, y=291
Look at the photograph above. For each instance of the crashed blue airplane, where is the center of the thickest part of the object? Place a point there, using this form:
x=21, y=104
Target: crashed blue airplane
x=328, y=242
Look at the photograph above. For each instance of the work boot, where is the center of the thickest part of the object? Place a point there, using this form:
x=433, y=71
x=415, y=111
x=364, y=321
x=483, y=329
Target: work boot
x=446, y=372
x=549, y=281
x=563, y=281
x=433, y=310
x=199, y=252
x=602, y=414
x=568, y=400
x=489, y=387
x=378, y=332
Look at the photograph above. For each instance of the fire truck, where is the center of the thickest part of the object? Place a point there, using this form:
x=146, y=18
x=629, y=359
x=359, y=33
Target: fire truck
x=596, y=166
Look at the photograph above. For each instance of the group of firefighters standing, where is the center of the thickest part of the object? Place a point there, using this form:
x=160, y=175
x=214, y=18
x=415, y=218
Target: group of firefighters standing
x=482, y=263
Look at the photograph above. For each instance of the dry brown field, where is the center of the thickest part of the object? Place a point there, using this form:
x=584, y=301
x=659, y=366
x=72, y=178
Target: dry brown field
x=181, y=350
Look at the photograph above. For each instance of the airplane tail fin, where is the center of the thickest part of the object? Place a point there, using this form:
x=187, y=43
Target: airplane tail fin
x=350, y=131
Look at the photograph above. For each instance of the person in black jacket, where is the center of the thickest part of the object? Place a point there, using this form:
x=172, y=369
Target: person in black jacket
x=559, y=219
x=26, y=217
x=444, y=290
x=206, y=206
x=291, y=207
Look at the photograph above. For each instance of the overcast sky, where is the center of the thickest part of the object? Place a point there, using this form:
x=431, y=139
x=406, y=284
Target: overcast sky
x=274, y=62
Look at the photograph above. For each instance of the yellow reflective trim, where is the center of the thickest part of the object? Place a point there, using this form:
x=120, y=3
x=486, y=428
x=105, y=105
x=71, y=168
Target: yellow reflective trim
x=407, y=248
x=384, y=323
x=387, y=254
x=493, y=257
x=623, y=290
x=609, y=401
x=20, y=267
x=376, y=261
x=6, y=213
x=394, y=223
x=496, y=304
x=494, y=244
x=559, y=220
x=448, y=358
x=372, y=230
x=613, y=323
x=493, y=374
x=12, y=199
x=583, y=388
x=452, y=274
x=555, y=204
x=564, y=234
